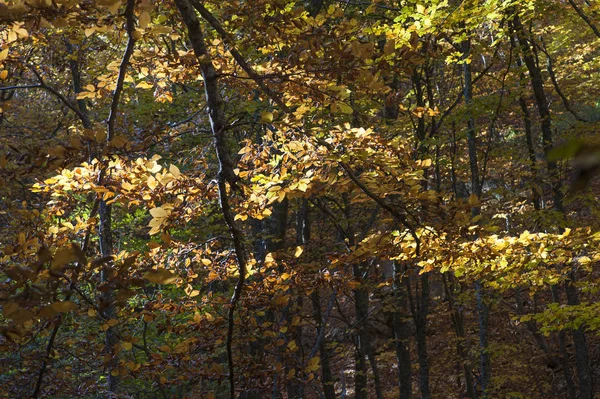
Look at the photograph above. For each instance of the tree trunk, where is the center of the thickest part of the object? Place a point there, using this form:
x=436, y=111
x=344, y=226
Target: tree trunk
x=361, y=339
x=537, y=84
x=326, y=375
x=459, y=329
x=564, y=356
x=482, y=308
x=401, y=328
x=584, y=373
x=226, y=175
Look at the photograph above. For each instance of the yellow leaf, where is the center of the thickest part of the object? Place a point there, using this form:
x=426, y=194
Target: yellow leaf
x=126, y=345
x=158, y=212
x=174, y=171
x=89, y=31
x=152, y=183
x=241, y=216
x=144, y=85
x=114, y=6
x=127, y=186
x=3, y=75
x=206, y=262
x=292, y=346
x=298, y=252
x=266, y=117
x=22, y=33
x=153, y=167
x=3, y=54
x=160, y=276
x=313, y=364
x=144, y=19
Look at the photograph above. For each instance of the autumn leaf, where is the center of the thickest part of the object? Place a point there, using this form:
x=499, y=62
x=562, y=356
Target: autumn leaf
x=64, y=306
x=160, y=276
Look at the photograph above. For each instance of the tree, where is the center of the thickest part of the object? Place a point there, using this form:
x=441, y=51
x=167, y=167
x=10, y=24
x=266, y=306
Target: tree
x=297, y=199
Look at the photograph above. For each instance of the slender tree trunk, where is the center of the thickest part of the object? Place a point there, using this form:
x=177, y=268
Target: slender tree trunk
x=583, y=369
x=564, y=355
x=584, y=373
x=459, y=329
x=324, y=354
x=529, y=138
x=107, y=296
x=420, y=309
x=537, y=84
x=105, y=211
x=226, y=173
x=401, y=328
x=303, y=238
x=361, y=308
x=482, y=308
x=421, y=336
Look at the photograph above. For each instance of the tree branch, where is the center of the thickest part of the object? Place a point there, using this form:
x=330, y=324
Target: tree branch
x=237, y=56
x=584, y=17
x=130, y=26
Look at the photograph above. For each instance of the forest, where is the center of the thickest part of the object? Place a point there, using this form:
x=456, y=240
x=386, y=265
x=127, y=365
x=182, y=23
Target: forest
x=299, y=199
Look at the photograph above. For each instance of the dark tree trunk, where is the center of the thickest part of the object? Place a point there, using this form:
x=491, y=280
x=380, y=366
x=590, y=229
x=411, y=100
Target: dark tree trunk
x=584, y=373
x=482, y=308
x=459, y=328
x=401, y=328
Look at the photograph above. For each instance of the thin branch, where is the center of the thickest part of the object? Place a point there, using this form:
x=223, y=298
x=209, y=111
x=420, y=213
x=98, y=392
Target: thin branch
x=560, y=93
x=38, y=86
x=584, y=17
x=237, y=56
x=130, y=26
x=380, y=201
x=459, y=98
x=324, y=322
x=42, y=85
